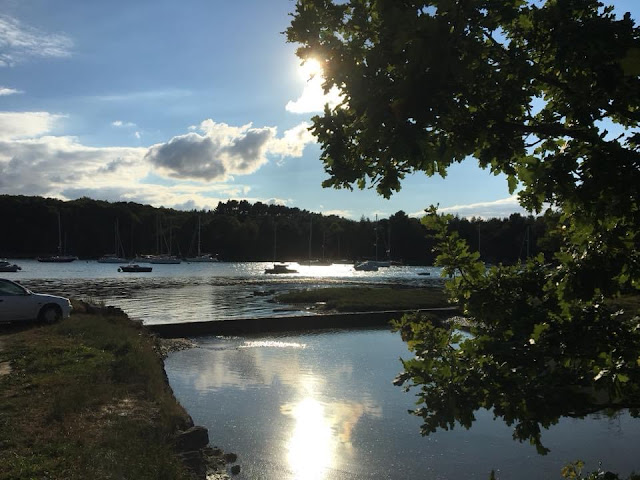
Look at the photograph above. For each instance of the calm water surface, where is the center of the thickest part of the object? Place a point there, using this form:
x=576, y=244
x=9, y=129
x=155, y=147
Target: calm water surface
x=318, y=406
x=200, y=291
x=322, y=406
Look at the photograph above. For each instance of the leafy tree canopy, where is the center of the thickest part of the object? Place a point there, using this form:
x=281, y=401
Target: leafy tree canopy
x=546, y=93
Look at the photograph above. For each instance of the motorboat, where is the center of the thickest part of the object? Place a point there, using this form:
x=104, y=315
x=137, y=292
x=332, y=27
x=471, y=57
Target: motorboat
x=279, y=268
x=367, y=266
x=134, y=267
x=5, y=266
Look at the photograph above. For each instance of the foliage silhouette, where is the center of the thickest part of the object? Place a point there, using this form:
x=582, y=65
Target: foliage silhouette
x=546, y=93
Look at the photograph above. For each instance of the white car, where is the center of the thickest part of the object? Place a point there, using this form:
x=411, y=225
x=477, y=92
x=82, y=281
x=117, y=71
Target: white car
x=20, y=303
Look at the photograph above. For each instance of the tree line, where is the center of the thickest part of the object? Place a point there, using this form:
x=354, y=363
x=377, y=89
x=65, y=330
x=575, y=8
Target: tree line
x=244, y=231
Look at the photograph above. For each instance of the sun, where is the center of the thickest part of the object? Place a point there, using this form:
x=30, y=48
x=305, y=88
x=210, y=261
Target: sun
x=309, y=69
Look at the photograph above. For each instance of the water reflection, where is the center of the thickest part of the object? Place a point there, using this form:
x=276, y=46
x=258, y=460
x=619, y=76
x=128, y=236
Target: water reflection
x=322, y=406
x=311, y=446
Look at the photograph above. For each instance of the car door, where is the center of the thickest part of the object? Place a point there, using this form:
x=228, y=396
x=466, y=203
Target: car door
x=16, y=302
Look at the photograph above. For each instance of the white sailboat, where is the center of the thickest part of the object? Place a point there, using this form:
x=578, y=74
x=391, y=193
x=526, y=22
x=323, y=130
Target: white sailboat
x=60, y=257
x=164, y=259
x=201, y=257
x=115, y=258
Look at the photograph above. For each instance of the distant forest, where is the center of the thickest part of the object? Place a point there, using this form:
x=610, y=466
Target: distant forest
x=241, y=231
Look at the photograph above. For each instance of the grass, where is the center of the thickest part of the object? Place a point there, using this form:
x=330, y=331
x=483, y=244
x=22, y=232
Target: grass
x=87, y=398
x=366, y=299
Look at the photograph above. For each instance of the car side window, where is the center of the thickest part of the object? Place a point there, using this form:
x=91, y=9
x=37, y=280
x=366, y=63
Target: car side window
x=10, y=289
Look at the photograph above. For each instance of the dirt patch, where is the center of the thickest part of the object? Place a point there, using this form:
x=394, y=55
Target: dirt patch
x=5, y=367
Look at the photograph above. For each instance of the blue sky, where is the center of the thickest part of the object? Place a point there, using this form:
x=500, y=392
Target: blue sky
x=182, y=104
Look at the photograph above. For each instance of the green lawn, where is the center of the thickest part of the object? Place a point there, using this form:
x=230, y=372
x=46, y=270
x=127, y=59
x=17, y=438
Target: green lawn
x=86, y=398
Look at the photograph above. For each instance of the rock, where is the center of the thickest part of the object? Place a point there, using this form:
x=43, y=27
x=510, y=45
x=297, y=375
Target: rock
x=193, y=438
x=194, y=461
x=235, y=469
x=230, y=457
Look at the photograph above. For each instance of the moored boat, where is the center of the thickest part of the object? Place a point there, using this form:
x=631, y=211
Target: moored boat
x=111, y=259
x=279, y=268
x=204, y=258
x=5, y=266
x=57, y=258
x=164, y=260
x=134, y=268
x=367, y=266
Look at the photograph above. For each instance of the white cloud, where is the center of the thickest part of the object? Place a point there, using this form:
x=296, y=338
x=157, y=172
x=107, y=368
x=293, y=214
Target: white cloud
x=223, y=150
x=16, y=125
x=492, y=209
x=121, y=124
x=138, y=135
x=339, y=213
x=20, y=42
x=47, y=165
x=34, y=162
x=293, y=141
x=4, y=91
x=313, y=98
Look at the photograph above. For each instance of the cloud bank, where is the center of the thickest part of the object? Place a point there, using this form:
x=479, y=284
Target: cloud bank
x=35, y=162
x=221, y=150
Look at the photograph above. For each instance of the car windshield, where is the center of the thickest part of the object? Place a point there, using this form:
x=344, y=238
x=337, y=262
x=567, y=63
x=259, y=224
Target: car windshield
x=10, y=288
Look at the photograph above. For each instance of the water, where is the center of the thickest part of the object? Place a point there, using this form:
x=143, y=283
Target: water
x=318, y=405
x=322, y=406
x=200, y=291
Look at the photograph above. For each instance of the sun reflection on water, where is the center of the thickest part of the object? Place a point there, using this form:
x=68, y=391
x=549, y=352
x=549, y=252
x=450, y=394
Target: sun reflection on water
x=311, y=446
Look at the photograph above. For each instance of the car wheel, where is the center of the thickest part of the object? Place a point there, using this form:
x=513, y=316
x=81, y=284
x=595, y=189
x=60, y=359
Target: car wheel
x=50, y=314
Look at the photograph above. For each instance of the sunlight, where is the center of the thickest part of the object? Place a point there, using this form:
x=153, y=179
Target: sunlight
x=311, y=444
x=310, y=68
x=313, y=98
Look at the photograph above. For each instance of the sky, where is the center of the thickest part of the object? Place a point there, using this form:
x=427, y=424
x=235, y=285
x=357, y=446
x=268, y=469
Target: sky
x=183, y=104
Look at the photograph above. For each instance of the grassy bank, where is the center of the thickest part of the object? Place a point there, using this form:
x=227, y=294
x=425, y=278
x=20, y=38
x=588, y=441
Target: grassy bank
x=87, y=398
x=366, y=299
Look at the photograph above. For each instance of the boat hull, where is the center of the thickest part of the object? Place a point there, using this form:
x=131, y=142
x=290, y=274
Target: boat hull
x=134, y=268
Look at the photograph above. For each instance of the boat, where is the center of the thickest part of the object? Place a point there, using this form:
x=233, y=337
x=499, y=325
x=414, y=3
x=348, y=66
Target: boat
x=60, y=257
x=165, y=260
x=5, y=266
x=114, y=257
x=205, y=257
x=367, y=266
x=111, y=259
x=134, y=267
x=279, y=268
x=201, y=257
x=57, y=258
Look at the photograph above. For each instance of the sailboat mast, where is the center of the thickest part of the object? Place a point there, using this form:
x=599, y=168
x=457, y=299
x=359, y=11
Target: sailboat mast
x=376, y=237
x=275, y=228
x=59, y=235
x=310, y=233
x=199, y=235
